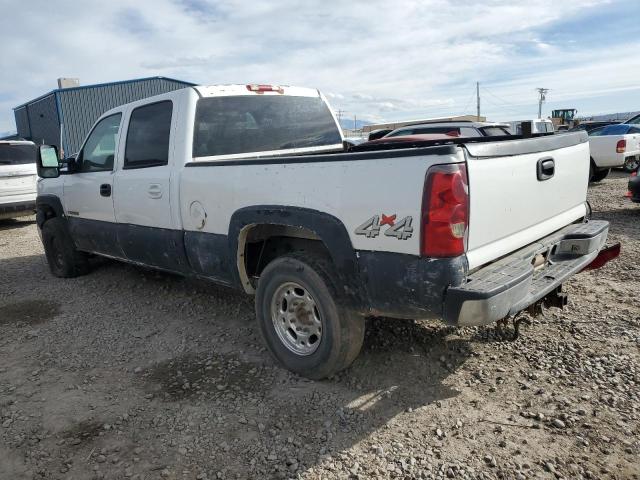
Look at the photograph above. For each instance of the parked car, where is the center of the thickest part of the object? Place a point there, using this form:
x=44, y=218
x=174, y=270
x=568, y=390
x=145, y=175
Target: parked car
x=614, y=146
x=453, y=128
x=17, y=178
x=589, y=126
x=249, y=186
x=405, y=141
x=634, y=186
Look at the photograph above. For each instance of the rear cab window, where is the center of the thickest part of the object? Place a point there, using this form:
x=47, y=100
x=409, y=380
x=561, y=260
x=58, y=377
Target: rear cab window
x=17, y=154
x=237, y=125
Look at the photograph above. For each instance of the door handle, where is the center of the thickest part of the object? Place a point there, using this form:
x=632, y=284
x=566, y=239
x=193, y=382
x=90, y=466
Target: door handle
x=154, y=191
x=105, y=190
x=545, y=168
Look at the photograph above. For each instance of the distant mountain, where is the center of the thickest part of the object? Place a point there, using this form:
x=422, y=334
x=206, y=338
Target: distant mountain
x=347, y=123
x=621, y=116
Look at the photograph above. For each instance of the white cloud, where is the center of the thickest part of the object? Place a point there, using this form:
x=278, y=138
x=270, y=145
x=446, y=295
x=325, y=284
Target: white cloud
x=410, y=59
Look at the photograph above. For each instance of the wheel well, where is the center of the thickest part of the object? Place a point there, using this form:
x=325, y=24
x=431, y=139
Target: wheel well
x=44, y=213
x=260, y=244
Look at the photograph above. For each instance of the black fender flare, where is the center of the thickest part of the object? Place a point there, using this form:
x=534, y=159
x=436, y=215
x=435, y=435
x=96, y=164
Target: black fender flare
x=44, y=202
x=329, y=229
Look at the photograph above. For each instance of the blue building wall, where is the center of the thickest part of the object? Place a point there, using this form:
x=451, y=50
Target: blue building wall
x=64, y=117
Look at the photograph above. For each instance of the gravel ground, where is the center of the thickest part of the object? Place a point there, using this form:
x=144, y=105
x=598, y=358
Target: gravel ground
x=127, y=373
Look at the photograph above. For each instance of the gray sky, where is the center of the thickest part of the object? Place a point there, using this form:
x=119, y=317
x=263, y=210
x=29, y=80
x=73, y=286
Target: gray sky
x=380, y=60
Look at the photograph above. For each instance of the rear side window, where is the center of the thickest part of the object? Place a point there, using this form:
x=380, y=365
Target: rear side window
x=496, y=131
x=246, y=124
x=17, y=154
x=148, y=136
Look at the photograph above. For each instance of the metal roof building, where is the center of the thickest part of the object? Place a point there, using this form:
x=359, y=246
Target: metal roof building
x=64, y=116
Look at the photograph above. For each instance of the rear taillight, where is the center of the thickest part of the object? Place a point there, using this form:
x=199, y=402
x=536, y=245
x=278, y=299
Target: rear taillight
x=621, y=146
x=445, y=211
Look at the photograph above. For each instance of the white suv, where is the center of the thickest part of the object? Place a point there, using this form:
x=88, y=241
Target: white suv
x=17, y=178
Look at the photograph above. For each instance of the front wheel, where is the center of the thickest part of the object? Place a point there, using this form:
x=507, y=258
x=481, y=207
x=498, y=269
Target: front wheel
x=63, y=258
x=631, y=164
x=303, y=323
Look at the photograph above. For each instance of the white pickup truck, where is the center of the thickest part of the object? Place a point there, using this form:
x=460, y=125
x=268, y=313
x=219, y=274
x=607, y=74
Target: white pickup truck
x=612, y=146
x=250, y=186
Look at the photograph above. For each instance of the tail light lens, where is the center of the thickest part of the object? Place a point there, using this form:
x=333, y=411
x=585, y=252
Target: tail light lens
x=621, y=146
x=264, y=88
x=445, y=211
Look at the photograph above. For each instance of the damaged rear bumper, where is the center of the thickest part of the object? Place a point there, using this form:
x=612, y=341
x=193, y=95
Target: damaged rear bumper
x=511, y=284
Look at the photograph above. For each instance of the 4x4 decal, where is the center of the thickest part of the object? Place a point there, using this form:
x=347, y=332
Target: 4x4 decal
x=402, y=230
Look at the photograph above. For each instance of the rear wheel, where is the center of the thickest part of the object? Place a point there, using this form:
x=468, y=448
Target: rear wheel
x=303, y=323
x=63, y=258
x=631, y=164
x=599, y=175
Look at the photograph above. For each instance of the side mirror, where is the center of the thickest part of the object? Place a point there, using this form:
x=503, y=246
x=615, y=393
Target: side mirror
x=48, y=165
x=70, y=164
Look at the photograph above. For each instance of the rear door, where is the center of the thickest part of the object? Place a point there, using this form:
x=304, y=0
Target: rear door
x=17, y=172
x=142, y=196
x=522, y=190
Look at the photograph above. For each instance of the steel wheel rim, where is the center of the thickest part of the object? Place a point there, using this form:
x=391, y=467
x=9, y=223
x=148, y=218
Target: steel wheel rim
x=631, y=165
x=296, y=318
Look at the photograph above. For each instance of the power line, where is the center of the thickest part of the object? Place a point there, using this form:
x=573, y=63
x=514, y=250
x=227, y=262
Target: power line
x=485, y=89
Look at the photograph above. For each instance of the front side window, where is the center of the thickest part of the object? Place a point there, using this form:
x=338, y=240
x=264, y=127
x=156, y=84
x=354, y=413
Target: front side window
x=100, y=148
x=252, y=123
x=148, y=136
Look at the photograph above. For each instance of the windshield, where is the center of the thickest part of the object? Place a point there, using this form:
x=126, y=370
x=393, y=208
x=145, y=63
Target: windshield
x=634, y=120
x=17, y=154
x=245, y=124
x=452, y=131
x=595, y=132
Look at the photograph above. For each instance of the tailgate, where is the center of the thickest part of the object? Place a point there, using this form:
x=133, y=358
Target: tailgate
x=523, y=190
x=17, y=180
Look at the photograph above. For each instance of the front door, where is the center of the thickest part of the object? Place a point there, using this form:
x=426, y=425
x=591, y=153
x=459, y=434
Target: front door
x=88, y=199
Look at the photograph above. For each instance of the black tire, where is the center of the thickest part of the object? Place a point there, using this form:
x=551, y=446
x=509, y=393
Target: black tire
x=600, y=175
x=63, y=258
x=631, y=164
x=342, y=329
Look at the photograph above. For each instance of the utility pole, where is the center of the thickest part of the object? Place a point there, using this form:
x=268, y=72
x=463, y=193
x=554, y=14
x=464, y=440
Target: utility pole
x=478, y=101
x=354, y=122
x=542, y=92
x=339, y=114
